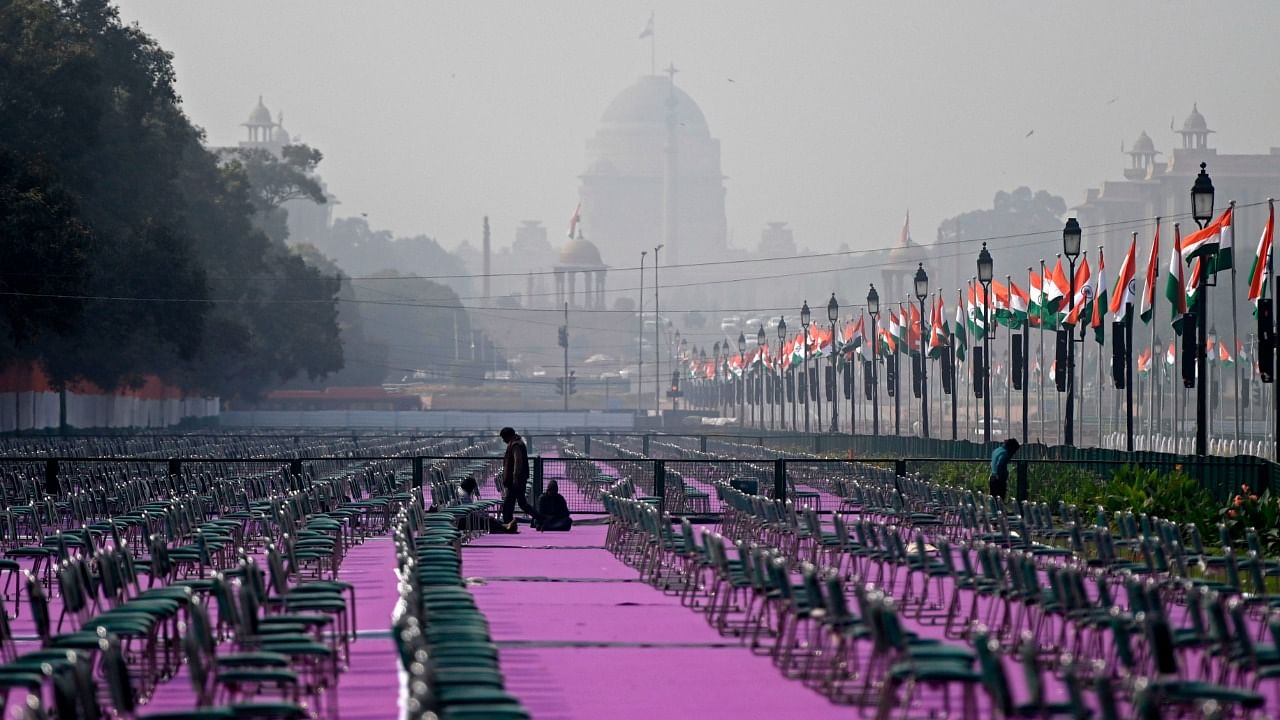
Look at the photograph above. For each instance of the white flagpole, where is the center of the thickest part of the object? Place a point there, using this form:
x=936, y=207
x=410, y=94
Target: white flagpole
x=1150, y=382
x=1235, y=330
x=1040, y=381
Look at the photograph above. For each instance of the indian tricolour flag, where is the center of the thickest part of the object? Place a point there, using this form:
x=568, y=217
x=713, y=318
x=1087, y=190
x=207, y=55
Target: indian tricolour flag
x=1098, y=320
x=1039, y=301
x=1213, y=243
x=1018, y=302
x=1149, y=289
x=962, y=340
x=1144, y=362
x=1170, y=355
x=1224, y=356
x=1261, y=258
x=1126, y=284
x=1080, y=304
x=937, y=331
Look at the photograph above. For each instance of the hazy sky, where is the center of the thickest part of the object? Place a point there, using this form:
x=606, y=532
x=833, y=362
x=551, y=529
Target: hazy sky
x=840, y=116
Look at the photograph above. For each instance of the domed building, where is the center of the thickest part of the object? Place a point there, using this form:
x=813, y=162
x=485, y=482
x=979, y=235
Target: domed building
x=580, y=257
x=653, y=176
x=307, y=220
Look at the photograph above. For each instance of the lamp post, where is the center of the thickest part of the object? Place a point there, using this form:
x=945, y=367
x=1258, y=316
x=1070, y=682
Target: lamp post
x=657, y=340
x=833, y=312
x=922, y=292
x=742, y=382
x=986, y=268
x=762, y=343
x=782, y=339
x=873, y=309
x=640, y=341
x=1202, y=212
x=1071, y=248
x=804, y=325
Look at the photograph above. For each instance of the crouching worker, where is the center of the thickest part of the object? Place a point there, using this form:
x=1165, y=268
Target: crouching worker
x=553, y=511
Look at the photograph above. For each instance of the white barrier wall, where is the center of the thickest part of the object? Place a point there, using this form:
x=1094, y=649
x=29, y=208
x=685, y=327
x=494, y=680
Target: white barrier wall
x=39, y=411
x=428, y=420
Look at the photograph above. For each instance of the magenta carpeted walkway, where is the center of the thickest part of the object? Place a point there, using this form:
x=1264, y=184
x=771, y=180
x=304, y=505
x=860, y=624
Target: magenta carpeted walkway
x=369, y=689
x=607, y=645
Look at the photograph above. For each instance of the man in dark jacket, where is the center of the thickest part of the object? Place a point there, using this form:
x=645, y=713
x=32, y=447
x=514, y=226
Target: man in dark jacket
x=515, y=479
x=1000, y=457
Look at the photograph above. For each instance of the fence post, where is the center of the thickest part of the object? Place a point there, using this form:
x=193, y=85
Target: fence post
x=644, y=449
x=660, y=483
x=779, y=479
x=817, y=444
x=51, y=484
x=417, y=473
x=900, y=468
x=1023, y=482
x=175, y=467
x=295, y=474
x=537, y=476
x=702, y=443
x=586, y=445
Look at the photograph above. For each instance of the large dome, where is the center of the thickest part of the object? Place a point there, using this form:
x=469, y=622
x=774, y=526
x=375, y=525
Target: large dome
x=645, y=103
x=580, y=253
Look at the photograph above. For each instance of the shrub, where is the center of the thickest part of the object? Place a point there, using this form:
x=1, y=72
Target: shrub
x=1174, y=496
x=1249, y=510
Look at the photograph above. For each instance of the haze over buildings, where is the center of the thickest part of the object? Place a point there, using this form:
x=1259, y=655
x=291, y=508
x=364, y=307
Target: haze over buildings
x=837, y=117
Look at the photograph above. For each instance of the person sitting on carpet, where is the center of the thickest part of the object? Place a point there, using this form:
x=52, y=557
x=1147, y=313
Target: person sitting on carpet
x=470, y=491
x=553, y=511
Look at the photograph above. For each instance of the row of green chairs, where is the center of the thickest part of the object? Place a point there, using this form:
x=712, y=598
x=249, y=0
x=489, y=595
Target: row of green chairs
x=443, y=639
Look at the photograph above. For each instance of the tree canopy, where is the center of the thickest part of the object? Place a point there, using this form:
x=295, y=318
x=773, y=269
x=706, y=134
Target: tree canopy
x=126, y=247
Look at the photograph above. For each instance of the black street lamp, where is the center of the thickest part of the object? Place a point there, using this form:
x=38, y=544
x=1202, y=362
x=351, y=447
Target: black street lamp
x=782, y=339
x=986, y=269
x=922, y=293
x=873, y=309
x=1202, y=212
x=833, y=312
x=804, y=324
x=742, y=382
x=762, y=343
x=1071, y=248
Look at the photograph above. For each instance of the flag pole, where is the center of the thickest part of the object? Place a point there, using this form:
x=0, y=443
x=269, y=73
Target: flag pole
x=1008, y=364
x=1235, y=330
x=1040, y=381
x=1275, y=396
x=1151, y=386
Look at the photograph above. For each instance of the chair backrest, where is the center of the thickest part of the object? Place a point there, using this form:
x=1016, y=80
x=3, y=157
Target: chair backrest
x=116, y=672
x=1031, y=673
x=1106, y=696
x=197, y=667
x=1160, y=637
x=992, y=670
x=39, y=608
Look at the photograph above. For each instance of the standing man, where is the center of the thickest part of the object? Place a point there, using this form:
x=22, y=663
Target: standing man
x=515, y=479
x=1000, y=467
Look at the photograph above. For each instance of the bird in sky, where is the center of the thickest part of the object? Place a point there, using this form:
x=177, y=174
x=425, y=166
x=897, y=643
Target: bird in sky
x=1029, y=133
